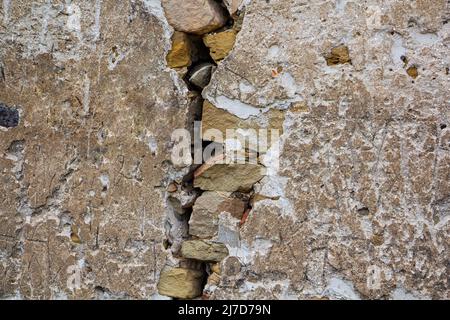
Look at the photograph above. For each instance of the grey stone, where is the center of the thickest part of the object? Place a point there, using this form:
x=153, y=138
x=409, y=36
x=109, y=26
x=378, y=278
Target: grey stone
x=201, y=74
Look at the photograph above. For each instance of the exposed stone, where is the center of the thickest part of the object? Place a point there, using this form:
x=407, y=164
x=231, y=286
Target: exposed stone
x=204, y=250
x=413, y=72
x=205, y=216
x=233, y=6
x=218, y=119
x=201, y=74
x=194, y=16
x=185, y=196
x=228, y=232
x=180, y=55
x=220, y=44
x=338, y=55
x=74, y=236
x=180, y=283
x=172, y=188
x=219, y=176
x=215, y=267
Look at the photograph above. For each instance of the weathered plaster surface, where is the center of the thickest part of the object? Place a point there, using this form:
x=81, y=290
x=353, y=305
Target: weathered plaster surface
x=363, y=187
x=89, y=157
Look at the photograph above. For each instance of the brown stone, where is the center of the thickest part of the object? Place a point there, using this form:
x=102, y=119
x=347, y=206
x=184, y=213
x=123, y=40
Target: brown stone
x=219, y=176
x=338, y=55
x=231, y=266
x=204, y=250
x=172, y=188
x=194, y=16
x=214, y=279
x=215, y=267
x=413, y=72
x=181, y=53
x=220, y=44
x=233, y=6
x=218, y=119
x=180, y=283
x=205, y=216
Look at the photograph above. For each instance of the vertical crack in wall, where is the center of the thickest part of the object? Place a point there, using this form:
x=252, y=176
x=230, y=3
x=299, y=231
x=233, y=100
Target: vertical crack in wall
x=193, y=256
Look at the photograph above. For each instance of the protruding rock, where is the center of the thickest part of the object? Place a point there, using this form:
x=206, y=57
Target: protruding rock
x=220, y=44
x=180, y=283
x=214, y=279
x=185, y=196
x=204, y=250
x=413, y=72
x=220, y=176
x=221, y=120
x=205, y=216
x=231, y=266
x=194, y=16
x=201, y=74
x=338, y=55
x=180, y=55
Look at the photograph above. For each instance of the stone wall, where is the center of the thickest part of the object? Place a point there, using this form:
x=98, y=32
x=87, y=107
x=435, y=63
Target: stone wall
x=92, y=205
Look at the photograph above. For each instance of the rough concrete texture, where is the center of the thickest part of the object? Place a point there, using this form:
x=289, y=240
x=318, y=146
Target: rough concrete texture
x=359, y=207
x=89, y=159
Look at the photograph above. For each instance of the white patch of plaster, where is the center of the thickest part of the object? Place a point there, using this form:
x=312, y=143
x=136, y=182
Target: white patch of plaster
x=288, y=83
x=104, y=179
x=341, y=289
x=366, y=227
x=273, y=53
x=374, y=18
x=87, y=218
x=6, y=8
x=343, y=107
x=153, y=145
x=232, y=145
x=228, y=232
x=270, y=286
x=73, y=23
x=86, y=94
x=246, y=88
x=398, y=50
x=44, y=27
x=272, y=186
x=246, y=253
x=425, y=39
x=17, y=296
x=271, y=159
x=157, y=296
x=401, y=294
x=340, y=6
x=179, y=83
x=97, y=23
